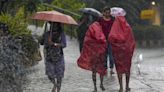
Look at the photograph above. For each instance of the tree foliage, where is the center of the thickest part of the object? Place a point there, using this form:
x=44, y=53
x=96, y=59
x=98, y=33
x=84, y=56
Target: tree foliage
x=12, y=6
x=71, y=5
x=18, y=30
x=17, y=24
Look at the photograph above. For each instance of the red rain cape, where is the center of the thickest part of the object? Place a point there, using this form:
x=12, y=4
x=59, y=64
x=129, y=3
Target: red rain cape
x=94, y=50
x=123, y=44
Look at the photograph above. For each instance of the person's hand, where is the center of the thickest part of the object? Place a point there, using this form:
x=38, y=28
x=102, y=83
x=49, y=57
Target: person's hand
x=57, y=44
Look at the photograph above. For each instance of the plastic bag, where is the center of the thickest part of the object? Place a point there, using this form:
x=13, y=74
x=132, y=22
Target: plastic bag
x=117, y=11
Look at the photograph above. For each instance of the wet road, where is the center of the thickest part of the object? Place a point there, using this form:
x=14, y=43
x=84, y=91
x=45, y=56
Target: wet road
x=76, y=79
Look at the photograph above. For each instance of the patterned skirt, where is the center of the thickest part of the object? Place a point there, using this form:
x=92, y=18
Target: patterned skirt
x=55, y=70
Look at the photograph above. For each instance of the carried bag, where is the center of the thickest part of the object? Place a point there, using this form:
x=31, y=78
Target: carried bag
x=37, y=56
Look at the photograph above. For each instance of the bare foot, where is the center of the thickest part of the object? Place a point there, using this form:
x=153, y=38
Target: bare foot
x=111, y=72
x=95, y=90
x=127, y=90
x=102, y=87
x=53, y=89
x=120, y=90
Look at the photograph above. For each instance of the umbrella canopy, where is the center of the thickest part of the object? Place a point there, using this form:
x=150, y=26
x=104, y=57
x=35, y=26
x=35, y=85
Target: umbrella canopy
x=54, y=16
x=91, y=11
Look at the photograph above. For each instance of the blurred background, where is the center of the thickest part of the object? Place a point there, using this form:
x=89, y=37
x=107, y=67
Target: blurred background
x=145, y=16
x=23, y=62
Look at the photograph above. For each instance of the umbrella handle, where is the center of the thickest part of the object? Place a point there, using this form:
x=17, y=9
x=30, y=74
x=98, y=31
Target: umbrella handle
x=51, y=26
x=45, y=29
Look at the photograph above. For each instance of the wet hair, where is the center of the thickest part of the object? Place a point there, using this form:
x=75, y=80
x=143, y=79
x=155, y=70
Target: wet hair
x=106, y=8
x=57, y=29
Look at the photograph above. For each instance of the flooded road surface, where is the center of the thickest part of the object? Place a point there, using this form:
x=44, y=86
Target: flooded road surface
x=151, y=78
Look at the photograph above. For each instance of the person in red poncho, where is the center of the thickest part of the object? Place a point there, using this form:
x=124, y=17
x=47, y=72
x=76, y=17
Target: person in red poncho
x=123, y=44
x=94, y=53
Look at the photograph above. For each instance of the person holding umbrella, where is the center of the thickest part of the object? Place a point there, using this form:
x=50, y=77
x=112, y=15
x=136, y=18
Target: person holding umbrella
x=54, y=42
x=89, y=16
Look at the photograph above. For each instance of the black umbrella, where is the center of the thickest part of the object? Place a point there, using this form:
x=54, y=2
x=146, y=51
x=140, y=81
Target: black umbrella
x=91, y=11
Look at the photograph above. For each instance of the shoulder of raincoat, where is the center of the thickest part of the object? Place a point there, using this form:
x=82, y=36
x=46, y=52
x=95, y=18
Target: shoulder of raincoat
x=121, y=34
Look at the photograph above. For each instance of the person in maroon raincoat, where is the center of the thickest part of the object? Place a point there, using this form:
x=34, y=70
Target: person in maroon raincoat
x=106, y=23
x=123, y=44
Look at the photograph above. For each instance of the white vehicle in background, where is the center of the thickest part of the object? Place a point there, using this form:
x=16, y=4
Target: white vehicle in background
x=46, y=27
x=38, y=31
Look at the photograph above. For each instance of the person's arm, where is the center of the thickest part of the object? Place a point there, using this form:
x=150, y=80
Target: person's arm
x=50, y=42
x=84, y=19
x=63, y=40
x=62, y=44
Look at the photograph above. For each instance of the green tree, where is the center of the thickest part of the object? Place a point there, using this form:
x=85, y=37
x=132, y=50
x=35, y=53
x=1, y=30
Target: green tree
x=71, y=5
x=12, y=6
x=17, y=24
x=18, y=30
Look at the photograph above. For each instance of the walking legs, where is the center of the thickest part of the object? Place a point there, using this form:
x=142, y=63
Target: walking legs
x=94, y=80
x=127, y=82
x=120, y=82
x=101, y=83
x=59, y=81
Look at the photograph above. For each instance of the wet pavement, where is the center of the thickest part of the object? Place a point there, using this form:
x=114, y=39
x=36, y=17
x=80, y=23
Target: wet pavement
x=151, y=78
